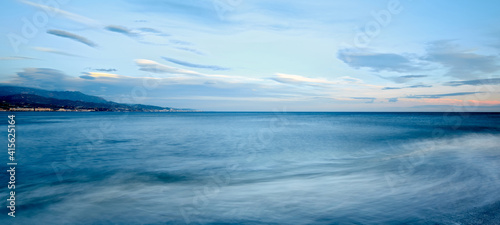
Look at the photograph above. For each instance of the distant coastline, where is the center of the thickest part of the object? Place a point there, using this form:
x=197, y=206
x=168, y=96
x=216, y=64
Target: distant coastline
x=24, y=99
x=36, y=109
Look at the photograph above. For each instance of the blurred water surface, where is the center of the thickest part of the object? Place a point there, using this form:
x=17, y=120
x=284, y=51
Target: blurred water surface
x=255, y=168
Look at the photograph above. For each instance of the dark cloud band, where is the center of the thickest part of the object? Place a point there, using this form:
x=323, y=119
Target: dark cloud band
x=72, y=36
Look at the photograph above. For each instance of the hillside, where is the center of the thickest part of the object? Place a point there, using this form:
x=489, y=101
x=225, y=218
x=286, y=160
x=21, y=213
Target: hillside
x=65, y=95
x=21, y=97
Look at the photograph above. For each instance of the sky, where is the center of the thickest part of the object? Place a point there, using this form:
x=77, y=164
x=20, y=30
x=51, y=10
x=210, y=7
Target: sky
x=259, y=55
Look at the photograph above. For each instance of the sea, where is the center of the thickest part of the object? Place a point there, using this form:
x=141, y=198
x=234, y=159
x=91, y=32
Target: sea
x=253, y=168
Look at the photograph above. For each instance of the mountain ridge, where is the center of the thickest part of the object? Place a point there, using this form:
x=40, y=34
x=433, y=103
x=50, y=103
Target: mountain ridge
x=6, y=90
x=14, y=97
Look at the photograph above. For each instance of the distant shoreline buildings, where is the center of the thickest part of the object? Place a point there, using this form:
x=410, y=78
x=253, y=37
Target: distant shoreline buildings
x=40, y=109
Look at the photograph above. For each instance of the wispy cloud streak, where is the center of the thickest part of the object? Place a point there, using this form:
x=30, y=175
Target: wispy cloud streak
x=56, y=11
x=443, y=95
x=193, y=65
x=53, y=51
x=72, y=36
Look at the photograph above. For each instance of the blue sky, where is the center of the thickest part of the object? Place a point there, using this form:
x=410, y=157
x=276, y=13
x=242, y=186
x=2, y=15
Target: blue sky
x=242, y=55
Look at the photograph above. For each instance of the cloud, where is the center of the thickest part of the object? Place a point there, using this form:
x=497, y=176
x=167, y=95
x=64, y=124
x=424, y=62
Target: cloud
x=461, y=63
x=468, y=105
x=15, y=58
x=42, y=78
x=412, y=86
x=192, y=50
x=403, y=79
x=391, y=88
x=155, y=67
x=377, y=61
x=393, y=99
x=40, y=73
x=347, y=79
x=491, y=81
x=413, y=76
x=319, y=87
x=153, y=31
x=297, y=79
x=114, y=86
x=52, y=11
x=370, y=100
x=121, y=30
x=420, y=86
x=443, y=95
x=179, y=42
x=183, y=63
x=144, y=35
x=151, y=36
x=200, y=89
x=94, y=75
x=100, y=84
x=188, y=10
x=72, y=36
x=106, y=70
x=182, y=75
x=54, y=51
x=87, y=77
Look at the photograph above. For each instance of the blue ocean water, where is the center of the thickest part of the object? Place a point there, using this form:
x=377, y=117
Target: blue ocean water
x=255, y=168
